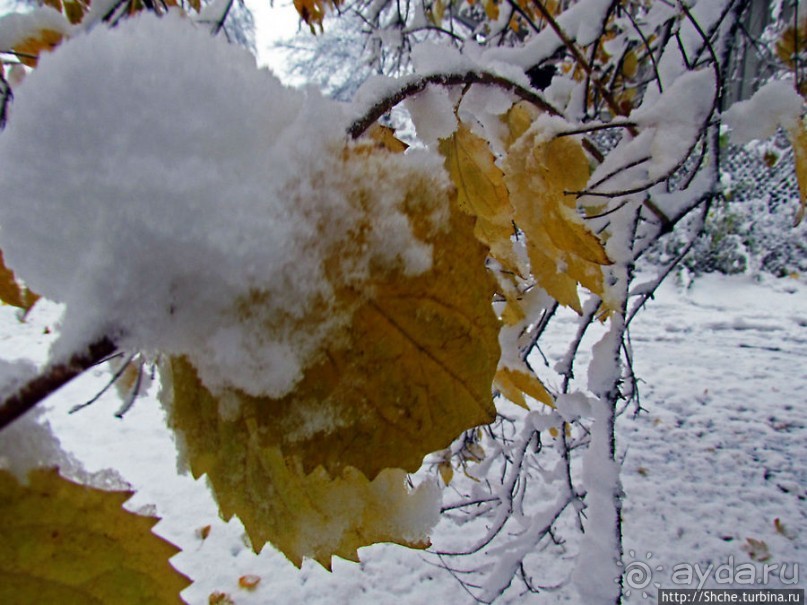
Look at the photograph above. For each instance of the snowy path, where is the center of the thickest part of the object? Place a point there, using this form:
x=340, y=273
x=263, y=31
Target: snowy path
x=716, y=458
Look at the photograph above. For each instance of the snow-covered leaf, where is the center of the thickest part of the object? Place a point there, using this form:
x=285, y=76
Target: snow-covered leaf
x=315, y=515
x=413, y=370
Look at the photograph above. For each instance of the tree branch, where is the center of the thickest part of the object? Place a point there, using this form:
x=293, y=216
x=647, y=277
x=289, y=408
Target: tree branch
x=579, y=58
x=418, y=85
x=52, y=378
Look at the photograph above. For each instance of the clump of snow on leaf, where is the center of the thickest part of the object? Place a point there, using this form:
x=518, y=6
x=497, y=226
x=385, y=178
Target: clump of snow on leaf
x=16, y=28
x=180, y=199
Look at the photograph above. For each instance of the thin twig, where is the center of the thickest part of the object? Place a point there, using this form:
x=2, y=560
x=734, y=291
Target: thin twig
x=649, y=49
x=596, y=127
x=118, y=373
x=578, y=56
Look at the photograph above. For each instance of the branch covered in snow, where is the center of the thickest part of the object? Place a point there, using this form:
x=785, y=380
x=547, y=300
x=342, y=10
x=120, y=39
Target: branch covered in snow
x=410, y=87
x=52, y=378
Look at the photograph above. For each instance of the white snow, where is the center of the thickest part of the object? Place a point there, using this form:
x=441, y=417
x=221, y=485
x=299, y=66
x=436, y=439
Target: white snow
x=28, y=444
x=432, y=112
x=178, y=217
x=578, y=22
x=676, y=118
x=14, y=374
x=775, y=104
x=677, y=59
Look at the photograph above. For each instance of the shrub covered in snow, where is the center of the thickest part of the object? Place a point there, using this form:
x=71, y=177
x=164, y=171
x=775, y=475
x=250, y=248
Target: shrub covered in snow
x=749, y=229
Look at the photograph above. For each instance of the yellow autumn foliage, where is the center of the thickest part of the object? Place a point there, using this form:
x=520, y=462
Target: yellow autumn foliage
x=313, y=11
x=529, y=190
x=791, y=43
x=75, y=10
x=321, y=471
x=71, y=544
x=482, y=192
x=514, y=384
x=313, y=515
x=563, y=253
x=492, y=9
x=436, y=12
x=385, y=137
x=13, y=293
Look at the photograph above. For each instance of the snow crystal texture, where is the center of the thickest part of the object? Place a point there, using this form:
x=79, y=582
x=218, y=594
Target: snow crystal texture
x=181, y=200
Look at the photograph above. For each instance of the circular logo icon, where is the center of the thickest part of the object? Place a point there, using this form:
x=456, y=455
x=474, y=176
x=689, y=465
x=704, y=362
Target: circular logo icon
x=638, y=574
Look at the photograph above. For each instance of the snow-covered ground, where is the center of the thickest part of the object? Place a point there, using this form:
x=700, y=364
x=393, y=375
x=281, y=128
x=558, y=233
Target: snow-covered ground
x=714, y=465
x=718, y=460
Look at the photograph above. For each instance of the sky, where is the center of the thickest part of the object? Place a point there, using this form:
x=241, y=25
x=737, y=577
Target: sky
x=273, y=21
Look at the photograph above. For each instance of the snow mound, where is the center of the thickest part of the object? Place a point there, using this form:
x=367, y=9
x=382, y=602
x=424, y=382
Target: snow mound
x=179, y=199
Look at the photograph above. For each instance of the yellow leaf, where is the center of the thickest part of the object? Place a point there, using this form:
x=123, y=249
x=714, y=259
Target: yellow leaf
x=630, y=64
x=791, y=43
x=518, y=119
x=203, y=532
x=313, y=11
x=195, y=5
x=65, y=543
x=54, y=4
x=315, y=515
x=482, y=193
x=446, y=471
x=220, y=598
x=249, y=581
x=322, y=470
x=128, y=376
x=798, y=138
x=385, y=137
x=514, y=384
x=492, y=9
x=562, y=251
x=11, y=292
x=513, y=312
x=28, y=50
x=437, y=12
x=414, y=371
x=74, y=10
x=474, y=452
